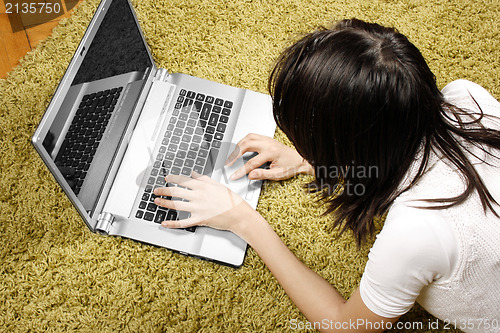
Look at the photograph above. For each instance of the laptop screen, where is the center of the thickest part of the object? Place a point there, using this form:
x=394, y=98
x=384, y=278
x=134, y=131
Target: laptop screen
x=109, y=78
x=117, y=47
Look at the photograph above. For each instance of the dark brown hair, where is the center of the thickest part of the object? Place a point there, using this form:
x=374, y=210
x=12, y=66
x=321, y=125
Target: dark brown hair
x=358, y=102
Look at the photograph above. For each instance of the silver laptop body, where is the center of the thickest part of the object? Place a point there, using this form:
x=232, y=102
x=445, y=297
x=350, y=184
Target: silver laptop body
x=117, y=125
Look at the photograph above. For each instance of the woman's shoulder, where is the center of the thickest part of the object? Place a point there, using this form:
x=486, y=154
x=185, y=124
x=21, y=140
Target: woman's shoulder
x=470, y=95
x=414, y=249
x=420, y=238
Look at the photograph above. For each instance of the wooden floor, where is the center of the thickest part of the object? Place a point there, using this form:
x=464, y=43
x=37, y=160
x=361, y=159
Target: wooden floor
x=20, y=32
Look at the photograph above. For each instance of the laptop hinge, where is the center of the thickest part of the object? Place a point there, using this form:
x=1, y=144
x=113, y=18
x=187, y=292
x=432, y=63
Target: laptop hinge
x=104, y=222
x=161, y=74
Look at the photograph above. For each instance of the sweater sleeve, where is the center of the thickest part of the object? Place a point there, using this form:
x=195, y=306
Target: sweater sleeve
x=415, y=248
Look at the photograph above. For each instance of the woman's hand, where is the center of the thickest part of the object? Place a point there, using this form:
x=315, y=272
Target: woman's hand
x=285, y=161
x=209, y=202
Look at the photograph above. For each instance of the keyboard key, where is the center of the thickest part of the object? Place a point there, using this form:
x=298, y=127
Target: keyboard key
x=154, y=196
x=221, y=127
x=181, y=154
x=139, y=214
x=228, y=104
x=178, y=162
x=172, y=148
x=214, y=118
x=160, y=181
x=149, y=216
x=186, y=106
x=203, y=153
x=160, y=216
x=171, y=215
x=200, y=97
x=200, y=162
x=191, y=94
x=226, y=112
x=183, y=92
x=175, y=171
x=219, y=102
x=151, y=207
x=205, y=112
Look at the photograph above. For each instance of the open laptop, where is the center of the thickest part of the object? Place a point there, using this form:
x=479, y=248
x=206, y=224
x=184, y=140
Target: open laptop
x=117, y=125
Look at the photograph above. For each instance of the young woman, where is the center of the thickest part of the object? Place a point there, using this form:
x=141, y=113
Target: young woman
x=362, y=96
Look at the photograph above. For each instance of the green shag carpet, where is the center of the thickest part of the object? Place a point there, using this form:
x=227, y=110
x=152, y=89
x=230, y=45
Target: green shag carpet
x=55, y=275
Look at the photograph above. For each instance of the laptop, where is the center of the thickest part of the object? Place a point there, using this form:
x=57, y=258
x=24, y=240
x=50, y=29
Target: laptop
x=117, y=125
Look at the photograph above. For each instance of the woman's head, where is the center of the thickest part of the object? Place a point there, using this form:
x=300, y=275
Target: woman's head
x=357, y=101
x=333, y=89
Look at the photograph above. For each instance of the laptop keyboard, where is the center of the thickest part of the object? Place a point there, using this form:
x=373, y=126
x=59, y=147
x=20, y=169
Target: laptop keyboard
x=191, y=142
x=85, y=133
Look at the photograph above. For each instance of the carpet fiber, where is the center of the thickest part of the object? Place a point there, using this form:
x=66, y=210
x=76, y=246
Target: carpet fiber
x=56, y=275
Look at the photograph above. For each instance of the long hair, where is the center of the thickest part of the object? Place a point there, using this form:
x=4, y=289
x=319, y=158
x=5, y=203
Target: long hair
x=358, y=102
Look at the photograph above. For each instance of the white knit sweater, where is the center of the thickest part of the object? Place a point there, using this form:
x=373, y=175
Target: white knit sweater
x=448, y=260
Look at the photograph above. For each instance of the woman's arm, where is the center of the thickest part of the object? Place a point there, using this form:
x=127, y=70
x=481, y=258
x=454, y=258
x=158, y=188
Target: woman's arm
x=315, y=297
x=214, y=205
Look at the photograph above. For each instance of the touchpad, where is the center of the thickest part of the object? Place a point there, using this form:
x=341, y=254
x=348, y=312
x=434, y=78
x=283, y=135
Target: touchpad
x=244, y=187
x=239, y=186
